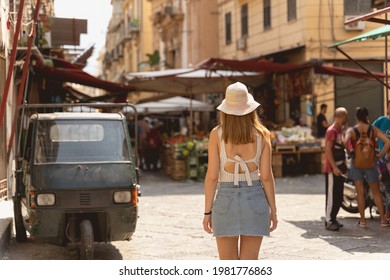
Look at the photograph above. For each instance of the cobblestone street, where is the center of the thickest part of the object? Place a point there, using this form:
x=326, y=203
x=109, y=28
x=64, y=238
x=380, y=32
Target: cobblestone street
x=170, y=227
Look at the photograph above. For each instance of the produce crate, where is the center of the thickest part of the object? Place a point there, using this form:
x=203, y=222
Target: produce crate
x=285, y=148
x=310, y=146
x=178, y=176
x=192, y=161
x=277, y=160
x=278, y=171
x=193, y=173
x=178, y=169
x=202, y=171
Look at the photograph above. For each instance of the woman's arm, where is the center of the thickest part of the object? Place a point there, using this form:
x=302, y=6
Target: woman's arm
x=347, y=141
x=386, y=141
x=267, y=178
x=211, y=178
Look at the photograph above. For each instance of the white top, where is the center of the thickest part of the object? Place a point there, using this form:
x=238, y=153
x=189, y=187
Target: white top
x=235, y=177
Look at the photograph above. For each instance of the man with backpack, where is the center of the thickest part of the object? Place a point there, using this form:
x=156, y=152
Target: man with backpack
x=360, y=143
x=334, y=168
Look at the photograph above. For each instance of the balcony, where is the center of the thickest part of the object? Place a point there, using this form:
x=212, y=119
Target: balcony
x=130, y=31
x=167, y=14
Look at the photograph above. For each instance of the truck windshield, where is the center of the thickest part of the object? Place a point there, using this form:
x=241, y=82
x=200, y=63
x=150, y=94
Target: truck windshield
x=81, y=141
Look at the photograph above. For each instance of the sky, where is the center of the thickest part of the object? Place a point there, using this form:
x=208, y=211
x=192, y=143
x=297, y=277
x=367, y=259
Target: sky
x=98, y=14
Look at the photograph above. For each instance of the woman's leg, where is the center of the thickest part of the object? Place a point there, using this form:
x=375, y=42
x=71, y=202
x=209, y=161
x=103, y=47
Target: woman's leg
x=227, y=248
x=361, y=200
x=250, y=247
x=374, y=186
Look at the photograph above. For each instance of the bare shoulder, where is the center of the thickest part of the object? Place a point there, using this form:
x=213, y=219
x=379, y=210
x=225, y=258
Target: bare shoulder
x=214, y=133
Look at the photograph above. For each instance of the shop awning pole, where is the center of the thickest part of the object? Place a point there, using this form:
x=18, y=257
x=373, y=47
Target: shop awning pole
x=12, y=61
x=24, y=75
x=361, y=66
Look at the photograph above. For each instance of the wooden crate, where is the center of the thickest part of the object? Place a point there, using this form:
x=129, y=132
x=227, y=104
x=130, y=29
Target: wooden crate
x=192, y=161
x=278, y=171
x=192, y=172
x=178, y=169
x=178, y=176
x=285, y=148
x=277, y=160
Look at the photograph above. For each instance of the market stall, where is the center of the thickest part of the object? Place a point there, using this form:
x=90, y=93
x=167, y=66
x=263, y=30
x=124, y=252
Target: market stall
x=184, y=158
x=296, y=151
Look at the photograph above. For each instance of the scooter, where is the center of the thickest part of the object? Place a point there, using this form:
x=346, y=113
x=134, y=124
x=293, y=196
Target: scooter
x=349, y=203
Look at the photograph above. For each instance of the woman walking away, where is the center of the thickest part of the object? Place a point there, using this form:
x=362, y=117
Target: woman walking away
x=360, y=167
x=240, y=174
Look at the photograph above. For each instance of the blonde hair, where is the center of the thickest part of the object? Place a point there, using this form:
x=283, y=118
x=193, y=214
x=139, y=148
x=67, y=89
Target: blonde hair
x=239, y=129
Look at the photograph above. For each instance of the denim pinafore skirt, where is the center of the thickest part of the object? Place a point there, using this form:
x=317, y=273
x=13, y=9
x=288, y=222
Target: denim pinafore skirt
x=240, y=210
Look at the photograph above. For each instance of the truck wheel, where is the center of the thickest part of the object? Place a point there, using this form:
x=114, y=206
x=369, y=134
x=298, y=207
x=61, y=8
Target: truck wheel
x=86, y=240
x=20, y=230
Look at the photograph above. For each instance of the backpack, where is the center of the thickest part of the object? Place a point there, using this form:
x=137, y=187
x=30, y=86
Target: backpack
x=338, y=153
x=364, y=150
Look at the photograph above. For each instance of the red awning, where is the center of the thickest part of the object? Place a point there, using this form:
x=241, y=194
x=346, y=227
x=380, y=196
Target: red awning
x=67, y=72
x=350, y=72
x=81, y=60
x=280, y=68
x=246, y=65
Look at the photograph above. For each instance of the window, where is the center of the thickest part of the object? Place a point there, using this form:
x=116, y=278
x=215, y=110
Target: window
x=291, y=10
x=244, y=20
x=357, y=7
x=228, y=28
x=267, y=14
x=80, y=141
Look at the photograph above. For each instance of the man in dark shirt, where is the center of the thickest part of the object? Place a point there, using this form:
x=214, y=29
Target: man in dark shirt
x=322, y=123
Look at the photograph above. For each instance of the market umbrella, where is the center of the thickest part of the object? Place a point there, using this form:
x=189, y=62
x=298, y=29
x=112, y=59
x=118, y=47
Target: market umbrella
x=374, y=34
x=190, y=81
x=173, y=104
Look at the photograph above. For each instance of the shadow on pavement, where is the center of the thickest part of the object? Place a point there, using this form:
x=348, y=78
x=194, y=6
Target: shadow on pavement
x=107, y=251
x=47, y=251
x=350, y=238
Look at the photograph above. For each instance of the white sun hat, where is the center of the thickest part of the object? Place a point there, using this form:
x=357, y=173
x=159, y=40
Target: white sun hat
x=238, y=101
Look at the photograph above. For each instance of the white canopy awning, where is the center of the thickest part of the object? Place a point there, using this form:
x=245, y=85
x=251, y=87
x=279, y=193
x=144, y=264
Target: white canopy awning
x=172, y=104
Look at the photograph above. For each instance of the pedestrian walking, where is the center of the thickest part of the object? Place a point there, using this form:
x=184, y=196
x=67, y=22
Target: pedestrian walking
x=363, y=128
x=240, y=205
x=153, y=146
x=334, y=169
x=144, y=128
x=383, y=123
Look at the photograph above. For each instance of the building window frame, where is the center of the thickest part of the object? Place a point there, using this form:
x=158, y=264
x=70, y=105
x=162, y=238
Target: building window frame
x=228, y=28
x=267, y=14
x=291, y=10
x=357, y=7
x=244, y=21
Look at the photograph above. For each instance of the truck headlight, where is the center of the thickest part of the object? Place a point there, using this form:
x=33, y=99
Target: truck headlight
x=122, y=197
x=46, y=199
